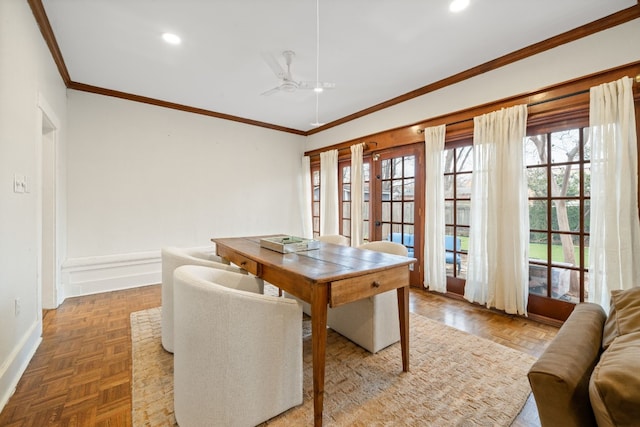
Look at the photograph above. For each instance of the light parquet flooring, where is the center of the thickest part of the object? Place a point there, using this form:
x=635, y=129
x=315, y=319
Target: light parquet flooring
x=81, y=373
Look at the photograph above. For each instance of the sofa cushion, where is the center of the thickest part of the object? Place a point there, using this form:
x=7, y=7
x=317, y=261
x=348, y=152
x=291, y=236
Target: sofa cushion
x=614, y=388
x=624, y=315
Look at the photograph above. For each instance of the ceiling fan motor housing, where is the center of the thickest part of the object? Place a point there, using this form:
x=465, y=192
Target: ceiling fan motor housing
x=288, y=86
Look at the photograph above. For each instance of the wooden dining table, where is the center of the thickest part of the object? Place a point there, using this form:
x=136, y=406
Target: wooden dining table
x=329, y=276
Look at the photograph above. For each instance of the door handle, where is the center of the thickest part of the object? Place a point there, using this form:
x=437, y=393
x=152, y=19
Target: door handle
x=377, y=223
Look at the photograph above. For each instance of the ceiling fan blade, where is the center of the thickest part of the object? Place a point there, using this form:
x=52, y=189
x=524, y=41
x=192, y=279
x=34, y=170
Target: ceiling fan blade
x=271, y=91
x=313, y=85
x=327, y=85
x=274, y=65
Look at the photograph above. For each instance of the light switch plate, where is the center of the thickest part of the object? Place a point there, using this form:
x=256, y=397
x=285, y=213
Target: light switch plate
x=19, y=183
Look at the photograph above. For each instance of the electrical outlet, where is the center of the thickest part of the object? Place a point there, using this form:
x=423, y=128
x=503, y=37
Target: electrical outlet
x=17, y=306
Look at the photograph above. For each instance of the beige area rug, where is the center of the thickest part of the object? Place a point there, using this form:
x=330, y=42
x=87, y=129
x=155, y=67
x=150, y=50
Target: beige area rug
x=455, y=379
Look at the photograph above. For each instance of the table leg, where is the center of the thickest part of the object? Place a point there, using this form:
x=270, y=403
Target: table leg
x=319, y=297
x=403, y=312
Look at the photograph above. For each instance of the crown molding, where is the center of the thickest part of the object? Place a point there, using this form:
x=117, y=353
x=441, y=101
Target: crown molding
x=607, y=22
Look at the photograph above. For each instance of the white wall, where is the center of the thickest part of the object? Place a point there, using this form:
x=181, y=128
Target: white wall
x=141, y=177
x=27, y=74
x=598, y=52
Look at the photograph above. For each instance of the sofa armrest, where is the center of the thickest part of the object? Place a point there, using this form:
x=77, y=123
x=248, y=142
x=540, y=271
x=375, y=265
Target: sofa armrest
x=560, y=377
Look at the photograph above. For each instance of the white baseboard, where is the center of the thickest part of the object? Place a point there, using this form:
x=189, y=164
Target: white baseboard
x=85, y=276
x=18, y=361
x=92, y=275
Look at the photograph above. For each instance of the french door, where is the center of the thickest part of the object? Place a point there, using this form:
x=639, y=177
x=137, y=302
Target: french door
x=397, y=201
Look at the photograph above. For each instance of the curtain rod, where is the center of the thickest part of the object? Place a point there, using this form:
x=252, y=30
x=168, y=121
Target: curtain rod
x=557, y=98
x=366, y=145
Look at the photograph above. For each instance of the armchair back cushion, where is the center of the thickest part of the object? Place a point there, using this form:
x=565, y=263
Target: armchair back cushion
x=336, y=239
x=238, y=354
x=407, y=241
x=172, y=258
x=449, y=246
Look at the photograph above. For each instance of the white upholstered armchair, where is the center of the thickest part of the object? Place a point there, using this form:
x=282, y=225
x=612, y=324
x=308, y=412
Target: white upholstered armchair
x=173, y=258
x=372, y=323
x=336, y=239
x=238, y=354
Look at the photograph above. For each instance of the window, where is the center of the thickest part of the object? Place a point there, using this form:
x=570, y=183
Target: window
x=558, y=165
x=458, y=163
x=558, y=173
x=559, y=188
x=344, y=179
x=315, y=210
x=366, y=185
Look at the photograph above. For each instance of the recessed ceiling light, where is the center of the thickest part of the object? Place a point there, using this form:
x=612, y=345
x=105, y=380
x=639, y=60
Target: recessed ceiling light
x=171, y=38
x=458, y=5
x=318, y=89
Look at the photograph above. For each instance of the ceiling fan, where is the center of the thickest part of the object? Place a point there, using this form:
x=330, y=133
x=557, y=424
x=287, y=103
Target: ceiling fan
x=287, y=82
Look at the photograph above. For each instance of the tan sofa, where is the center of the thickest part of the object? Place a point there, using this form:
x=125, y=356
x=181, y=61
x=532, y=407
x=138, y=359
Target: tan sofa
x=589, y=375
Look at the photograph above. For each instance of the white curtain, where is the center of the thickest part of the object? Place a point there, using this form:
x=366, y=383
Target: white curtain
x=305, y=199
x=329, y=192
x=614, y=246
x=357, y=194
x=499, y=230
x=435, y=272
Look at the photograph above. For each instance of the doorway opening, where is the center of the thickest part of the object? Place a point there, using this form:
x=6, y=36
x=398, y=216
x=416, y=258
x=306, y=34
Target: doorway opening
x=48, y=270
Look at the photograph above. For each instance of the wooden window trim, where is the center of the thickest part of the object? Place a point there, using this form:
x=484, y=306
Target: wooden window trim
x=569, y=99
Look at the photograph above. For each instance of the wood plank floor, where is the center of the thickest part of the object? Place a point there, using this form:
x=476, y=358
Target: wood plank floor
x=81, y=373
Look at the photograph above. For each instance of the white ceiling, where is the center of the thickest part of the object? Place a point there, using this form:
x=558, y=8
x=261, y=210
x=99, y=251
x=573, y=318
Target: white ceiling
x=373, y=50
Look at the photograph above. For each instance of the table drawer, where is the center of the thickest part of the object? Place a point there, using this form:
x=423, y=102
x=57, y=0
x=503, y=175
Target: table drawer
x=353, y=289
x=241, y=261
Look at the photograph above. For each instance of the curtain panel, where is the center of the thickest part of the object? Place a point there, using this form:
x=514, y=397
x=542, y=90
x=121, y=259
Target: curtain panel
x=498, y=258
x=435, y=272
x=614, y=243
x=329, y=192
x=357, y=194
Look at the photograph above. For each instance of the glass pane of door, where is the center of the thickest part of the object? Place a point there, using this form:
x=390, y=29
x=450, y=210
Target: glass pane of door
x=396, y=205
